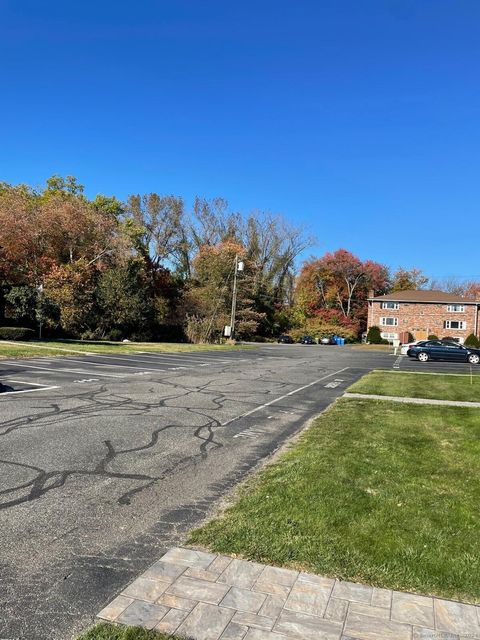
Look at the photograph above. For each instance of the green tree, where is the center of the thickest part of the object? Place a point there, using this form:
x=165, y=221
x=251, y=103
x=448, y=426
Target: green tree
x=22, y=304
x=71, y=287
x=373, y=336
x=124, y=301
x=68, y=185
x=406, y=279
x=108, y=206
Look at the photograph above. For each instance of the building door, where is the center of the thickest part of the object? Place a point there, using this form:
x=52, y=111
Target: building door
x=420, y=334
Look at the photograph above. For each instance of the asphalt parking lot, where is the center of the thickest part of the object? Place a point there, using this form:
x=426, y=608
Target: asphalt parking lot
x=107, y=460
x=404, y=363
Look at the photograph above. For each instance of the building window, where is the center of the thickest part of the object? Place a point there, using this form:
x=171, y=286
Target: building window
x=390, y=305
x=389, y=322
x=457, y=308
x=454, y=324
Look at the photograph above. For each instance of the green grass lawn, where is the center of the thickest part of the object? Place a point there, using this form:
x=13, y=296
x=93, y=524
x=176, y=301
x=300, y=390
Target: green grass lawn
x=376, y=492
x=420, y=385
x=372, y=347
x=105, y=631
x=50, y=348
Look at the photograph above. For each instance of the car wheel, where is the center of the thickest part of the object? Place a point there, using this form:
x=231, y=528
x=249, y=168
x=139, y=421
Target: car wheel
x=423, y=357
x=473, y=358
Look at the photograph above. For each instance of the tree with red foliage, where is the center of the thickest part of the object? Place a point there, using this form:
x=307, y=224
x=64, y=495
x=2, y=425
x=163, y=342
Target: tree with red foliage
x=339, y=282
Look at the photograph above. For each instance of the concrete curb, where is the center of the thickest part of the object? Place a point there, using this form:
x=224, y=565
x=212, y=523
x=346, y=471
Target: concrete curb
x=443, y=403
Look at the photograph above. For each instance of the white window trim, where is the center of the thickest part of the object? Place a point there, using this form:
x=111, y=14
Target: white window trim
x=462, y=325
x=451, y=308
x=395, y=307
x=383, y=322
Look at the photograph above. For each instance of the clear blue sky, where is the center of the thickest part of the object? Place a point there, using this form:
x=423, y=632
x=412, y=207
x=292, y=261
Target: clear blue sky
x=355, y=118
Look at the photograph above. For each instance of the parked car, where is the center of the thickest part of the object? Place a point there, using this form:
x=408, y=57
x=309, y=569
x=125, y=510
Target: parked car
x=307, y=340
x=328, y=340
x=405, y=347
x=285, y=340
x=439, y=350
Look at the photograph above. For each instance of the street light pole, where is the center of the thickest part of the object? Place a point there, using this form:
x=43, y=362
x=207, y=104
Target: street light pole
x=239, y=266
x=40, y=310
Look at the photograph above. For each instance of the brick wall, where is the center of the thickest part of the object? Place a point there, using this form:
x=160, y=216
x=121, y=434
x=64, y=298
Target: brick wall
x=423, y=319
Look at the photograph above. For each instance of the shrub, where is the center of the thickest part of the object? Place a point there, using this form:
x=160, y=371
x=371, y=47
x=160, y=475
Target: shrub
x=472, y=341
x=16, y=333
x=139, y=336
x=296, y=334
x=374, y=337
x=91, y=334
x=115, y=335
x=198, y=329
x=432, y=336
x=318, y=328
x=410, y=337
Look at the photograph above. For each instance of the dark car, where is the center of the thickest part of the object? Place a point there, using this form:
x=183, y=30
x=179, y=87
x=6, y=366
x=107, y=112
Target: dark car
x=307, y=340
x=285, y=340
x=443, y=350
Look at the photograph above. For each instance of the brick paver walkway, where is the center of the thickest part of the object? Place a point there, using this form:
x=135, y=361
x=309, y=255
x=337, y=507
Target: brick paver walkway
x=213, y=597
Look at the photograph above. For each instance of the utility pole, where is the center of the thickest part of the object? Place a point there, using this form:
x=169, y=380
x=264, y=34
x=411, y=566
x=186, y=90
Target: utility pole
x=239, y=266
x=40, y=310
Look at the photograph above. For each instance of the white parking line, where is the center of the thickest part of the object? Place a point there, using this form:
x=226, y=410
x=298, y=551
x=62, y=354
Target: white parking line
x=11, y=393
x=130, y=359
x=251, y=433
x=42, y=346
x=33, y=384
x=99, y=364
x=286, y=395
x=56, y=370
x=398, y=361
x=194, y=358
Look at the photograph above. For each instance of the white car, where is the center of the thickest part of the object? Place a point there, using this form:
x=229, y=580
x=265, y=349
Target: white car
x=405, y=347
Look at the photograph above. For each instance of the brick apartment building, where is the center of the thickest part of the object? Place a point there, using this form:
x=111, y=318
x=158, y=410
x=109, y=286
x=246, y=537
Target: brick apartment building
x=422, y=313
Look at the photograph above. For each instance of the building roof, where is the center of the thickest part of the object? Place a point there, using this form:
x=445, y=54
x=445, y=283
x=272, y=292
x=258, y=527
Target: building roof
x=424, y=295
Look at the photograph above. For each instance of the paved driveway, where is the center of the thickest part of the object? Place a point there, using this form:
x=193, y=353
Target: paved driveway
x=105, y=461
